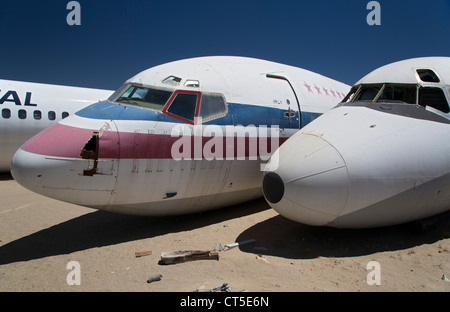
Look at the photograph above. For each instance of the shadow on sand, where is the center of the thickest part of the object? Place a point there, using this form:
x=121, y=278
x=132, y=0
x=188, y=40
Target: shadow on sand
x=5, y=176
x=99, y=228
x=275, y=236
x=281, y=237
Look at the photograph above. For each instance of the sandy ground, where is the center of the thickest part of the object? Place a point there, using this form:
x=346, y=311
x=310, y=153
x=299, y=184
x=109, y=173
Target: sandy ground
x=40, y=236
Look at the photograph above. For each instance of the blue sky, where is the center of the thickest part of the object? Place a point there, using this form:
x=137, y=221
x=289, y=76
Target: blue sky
x=117, y=38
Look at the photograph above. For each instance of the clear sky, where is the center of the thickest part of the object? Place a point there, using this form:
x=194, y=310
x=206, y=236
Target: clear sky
x=118, y=38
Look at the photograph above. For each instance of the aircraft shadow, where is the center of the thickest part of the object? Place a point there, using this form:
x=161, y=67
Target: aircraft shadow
x=99, y=228
x=5, y=176
x=281, y=237
x=276, y=236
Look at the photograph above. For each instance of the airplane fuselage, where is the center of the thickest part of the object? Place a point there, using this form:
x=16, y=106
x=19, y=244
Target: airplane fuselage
x=382, y=157
x=28, y=108
x=182, y=137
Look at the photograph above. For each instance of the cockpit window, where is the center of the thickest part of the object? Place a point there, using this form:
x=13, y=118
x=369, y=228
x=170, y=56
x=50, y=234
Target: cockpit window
x=400, y=93
x=172, y=81
x=145, y=97
x=184, y=106
x=192, y=83
x=383, y=93
x=368, y=93
x=433, y=97
x=187, y=105
x=404, y=93
x=427, y=75
x=350, y=97
x=213, y=106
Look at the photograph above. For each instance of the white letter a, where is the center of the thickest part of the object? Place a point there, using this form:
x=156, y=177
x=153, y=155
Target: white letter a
x=74, y=17
x=374, y=276
x=74, y=276
x=374, y=17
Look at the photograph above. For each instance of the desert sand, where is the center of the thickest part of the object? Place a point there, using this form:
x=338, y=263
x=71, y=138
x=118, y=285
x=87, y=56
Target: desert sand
x=39, y=237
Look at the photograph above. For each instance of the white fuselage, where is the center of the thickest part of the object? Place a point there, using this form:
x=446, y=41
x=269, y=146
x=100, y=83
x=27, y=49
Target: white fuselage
x=380, y=159
x=394, y=169
x=28, y=108
x=144, y=163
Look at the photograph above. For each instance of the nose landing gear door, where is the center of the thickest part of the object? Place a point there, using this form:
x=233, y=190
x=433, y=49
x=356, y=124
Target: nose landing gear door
x=286, y=100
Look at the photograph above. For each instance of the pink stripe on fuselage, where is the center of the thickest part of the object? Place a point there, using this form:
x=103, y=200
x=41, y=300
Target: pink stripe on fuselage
x=66, y=141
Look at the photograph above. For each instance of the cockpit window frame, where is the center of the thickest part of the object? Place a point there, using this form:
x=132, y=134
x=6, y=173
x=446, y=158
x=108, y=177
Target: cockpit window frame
x=438, y=102
x=117, y=95
x=198, y=119
x=355, y=92
x=166, y=108
x=172, y=81
x=217, y=111
x=441, y=105
x=217, y=114
x=428, y=75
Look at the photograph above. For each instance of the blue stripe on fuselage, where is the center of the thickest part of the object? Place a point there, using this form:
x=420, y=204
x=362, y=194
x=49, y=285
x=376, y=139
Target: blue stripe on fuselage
x=238, y=114
x=307, y=117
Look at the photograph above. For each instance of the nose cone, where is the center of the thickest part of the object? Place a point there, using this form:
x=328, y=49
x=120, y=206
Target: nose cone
x=26, y=170
x=50, y=164
x=310, y=182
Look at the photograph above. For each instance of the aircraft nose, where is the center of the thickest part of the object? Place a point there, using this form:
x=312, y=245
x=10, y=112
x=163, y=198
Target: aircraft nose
x=310, y=182
x=51, y=164
x=22, y=171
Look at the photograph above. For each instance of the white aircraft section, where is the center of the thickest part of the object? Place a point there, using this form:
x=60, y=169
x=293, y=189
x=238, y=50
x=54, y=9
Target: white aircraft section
x=245, y=80
x=27, y=108
x=381, y=157
x=178, y=138
x=406, y=71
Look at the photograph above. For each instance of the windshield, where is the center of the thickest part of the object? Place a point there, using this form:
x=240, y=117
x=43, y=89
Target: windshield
x=384, y=93
x=403, y=93
x=144, y=97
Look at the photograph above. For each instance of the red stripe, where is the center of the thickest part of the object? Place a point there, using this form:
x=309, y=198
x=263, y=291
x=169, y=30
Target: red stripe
x=66, y=141
x=58, y=141
x=151, y=146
